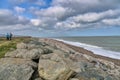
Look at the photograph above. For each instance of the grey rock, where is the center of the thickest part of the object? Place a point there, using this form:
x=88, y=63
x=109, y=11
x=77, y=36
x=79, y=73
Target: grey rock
x=73, y=79
x=21, y=46
x=16, y=54
x=89, y=75
x=54, y=68
x=26, y=54
x=111, y=78
x=38, y=79
x=47, y=51
x=16, y=69
x=33, y=54
x=31, y=46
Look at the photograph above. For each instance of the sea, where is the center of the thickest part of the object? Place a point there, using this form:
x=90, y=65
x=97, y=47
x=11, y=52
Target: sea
x=108, y=46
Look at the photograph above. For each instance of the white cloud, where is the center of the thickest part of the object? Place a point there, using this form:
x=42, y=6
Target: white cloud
x=112, y=22
x=36, y=22
x=19, y=9
x=54, y=12
x=67, y=25
x=40, y=3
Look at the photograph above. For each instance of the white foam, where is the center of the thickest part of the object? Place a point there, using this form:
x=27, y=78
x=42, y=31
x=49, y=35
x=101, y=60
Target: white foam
x=95, y=49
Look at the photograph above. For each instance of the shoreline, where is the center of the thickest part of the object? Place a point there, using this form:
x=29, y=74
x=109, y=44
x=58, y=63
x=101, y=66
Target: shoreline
x=83, y=51
x=90, y=53
x=93, y=48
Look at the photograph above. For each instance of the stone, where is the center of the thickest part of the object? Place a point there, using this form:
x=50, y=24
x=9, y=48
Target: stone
x=26, y=54
x=31, y=46
x=47, y=51
x=89, y=75
x=38, y=79
x=54, y=68
x=18, y=53
x=21, y=46
x=34, y=54
x=73, y=79
x=16, y=69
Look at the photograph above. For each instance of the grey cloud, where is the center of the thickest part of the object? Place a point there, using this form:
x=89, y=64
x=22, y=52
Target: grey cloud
x=95, y=17
x=90, y=20
x=88, y=5
x=85, y=6
x=8, y=18
x=11, y=22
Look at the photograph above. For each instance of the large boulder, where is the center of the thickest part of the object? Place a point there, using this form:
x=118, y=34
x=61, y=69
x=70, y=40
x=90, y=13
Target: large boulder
x=26, y=54
x=16, y=69
x=53, y=67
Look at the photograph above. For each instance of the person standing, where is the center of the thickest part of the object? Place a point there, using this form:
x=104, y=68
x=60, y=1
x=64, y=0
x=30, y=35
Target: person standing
x=10, y=36
x=7, y=36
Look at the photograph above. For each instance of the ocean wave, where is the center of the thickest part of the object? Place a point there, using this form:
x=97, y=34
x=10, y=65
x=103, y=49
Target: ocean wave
x=95, y=49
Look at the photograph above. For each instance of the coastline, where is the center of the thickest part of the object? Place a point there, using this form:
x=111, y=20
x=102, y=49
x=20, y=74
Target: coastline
x=83, y=51
x=49, y=59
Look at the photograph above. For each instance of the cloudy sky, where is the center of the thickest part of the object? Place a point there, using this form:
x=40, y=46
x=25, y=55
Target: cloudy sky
x=60, y=17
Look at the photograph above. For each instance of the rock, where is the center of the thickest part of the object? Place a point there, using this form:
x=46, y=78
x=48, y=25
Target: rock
x=61, y=53
x=75, y=66
x=38, y=43
x=109, y=78
x=31, y=46
x=26, y=54
x=80, y=66
x=47, y=51
x=54, y=68
x=89, y=75
x=34, y=54
x=16, y=54
x=57, y=44
x=51, y=70
x=16, y=69
x=50, y=48
x=73, y=79
x=21, y=46
x=38, y=79
x=28, y=46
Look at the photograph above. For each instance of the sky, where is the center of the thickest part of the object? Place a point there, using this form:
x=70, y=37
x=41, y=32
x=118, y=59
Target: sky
x=48, y=18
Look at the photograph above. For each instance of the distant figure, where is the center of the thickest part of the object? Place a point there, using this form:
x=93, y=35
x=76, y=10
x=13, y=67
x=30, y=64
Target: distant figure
x=10, y=36
x=7, y=36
